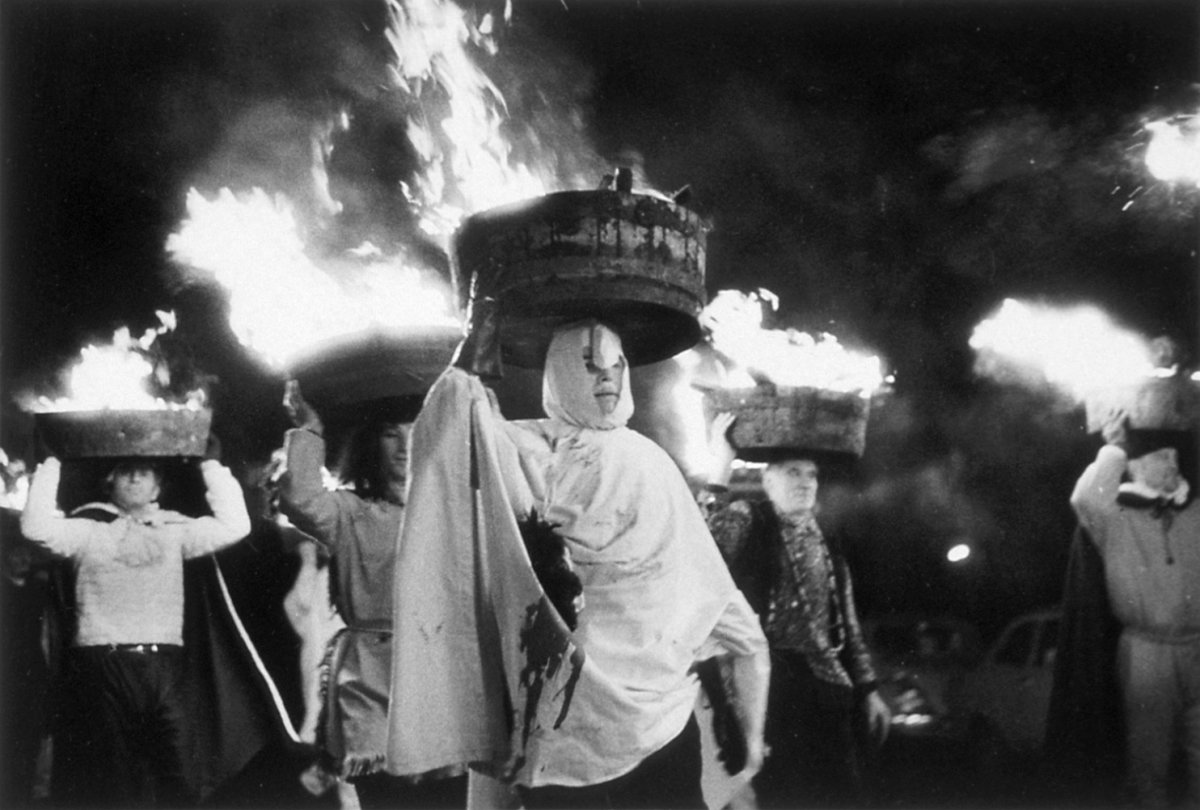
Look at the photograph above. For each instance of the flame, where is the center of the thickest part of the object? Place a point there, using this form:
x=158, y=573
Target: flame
x=783, y=357
x=122, y=375
x=282, y=303
x=1173, y=153
x=1079, y=350
x=466, y=160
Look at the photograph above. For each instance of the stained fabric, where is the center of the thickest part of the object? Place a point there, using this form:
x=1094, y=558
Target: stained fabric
x=491, y=674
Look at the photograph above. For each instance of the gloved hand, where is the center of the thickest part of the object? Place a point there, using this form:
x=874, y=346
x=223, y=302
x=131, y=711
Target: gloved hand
x=479, y=351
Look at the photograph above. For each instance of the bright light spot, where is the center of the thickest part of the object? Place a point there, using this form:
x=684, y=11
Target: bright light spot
x=1173, y=153
x=958, y=553
x=1078, y=349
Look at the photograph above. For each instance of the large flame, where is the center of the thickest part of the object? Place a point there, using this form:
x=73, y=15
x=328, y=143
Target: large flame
x=281, y=302
x=122, y=375
x=1173, y=153
x=1080, y=350
x=466, y=163
x=785, y=357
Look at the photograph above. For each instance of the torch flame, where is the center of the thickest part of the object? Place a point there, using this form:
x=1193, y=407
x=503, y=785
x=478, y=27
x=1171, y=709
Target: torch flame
x=281, y=302
x=1079, y=350
x=783, y=357
x=119, y=376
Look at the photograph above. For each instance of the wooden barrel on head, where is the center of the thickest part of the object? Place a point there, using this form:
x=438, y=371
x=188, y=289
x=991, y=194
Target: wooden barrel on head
x=771, y=420
x=634, y=261
x=1168, y=403
x=165, y=433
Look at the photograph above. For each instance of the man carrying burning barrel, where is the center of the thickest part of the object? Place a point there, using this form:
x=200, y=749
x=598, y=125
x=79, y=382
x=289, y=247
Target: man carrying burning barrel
x=1137, y=506
x=124, y=671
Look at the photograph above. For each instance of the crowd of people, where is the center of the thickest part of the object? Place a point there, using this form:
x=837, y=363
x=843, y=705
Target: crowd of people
x=519, y=613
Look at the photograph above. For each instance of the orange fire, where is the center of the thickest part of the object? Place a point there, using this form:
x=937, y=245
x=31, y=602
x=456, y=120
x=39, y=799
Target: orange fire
x=282, y=302
x=1079, y=350
x=122, y=375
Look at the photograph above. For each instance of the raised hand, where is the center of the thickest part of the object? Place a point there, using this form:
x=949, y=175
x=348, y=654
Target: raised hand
x=302, y=414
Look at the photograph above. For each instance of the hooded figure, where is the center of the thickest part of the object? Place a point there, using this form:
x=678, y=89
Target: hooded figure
x=600, y=716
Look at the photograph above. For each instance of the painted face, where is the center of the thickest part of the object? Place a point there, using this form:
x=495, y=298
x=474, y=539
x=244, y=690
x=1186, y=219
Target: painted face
x=607, y=381
x=135, y=486
x=586, y=380
x=1158, y=470
x=393, y=451
x=792, y=485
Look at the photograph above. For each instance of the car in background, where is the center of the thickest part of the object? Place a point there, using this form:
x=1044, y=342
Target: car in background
x=1011, y=684
x=933, y=651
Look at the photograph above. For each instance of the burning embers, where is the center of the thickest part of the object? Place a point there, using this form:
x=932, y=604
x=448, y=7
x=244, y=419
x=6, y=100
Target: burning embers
x=121, y=400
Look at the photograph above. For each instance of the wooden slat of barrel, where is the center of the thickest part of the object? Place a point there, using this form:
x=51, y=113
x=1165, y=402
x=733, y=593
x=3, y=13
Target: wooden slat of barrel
x=123, y=433
x=633, y=261
x=1171, y=403
x=771, y=419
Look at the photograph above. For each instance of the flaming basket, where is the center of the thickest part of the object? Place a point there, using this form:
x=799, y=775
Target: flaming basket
x=770, y=419
x=123, y=433
x=375, y=365
x=1170, y=403
x=632, y=260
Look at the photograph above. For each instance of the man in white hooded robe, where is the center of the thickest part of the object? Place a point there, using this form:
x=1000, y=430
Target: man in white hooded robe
x=601, y=716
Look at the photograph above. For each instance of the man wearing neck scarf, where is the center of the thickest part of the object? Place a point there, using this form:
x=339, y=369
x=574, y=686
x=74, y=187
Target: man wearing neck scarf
x=1136, y=505
x=595, y=715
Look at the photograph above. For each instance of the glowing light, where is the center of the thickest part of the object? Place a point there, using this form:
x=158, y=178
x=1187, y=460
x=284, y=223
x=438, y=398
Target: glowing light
x=1079, y=350
x=123, y=375
x=282, y=302
x=466, y=161
x=1173, y=153
x=16, y=482
x=958, y=553
x=783, y=357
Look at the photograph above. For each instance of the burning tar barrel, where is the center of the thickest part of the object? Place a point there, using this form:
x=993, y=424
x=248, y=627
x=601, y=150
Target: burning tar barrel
x=633, y=260
x=1169, y=403
x=374, y=365
x=771, y=419
x=123, y=433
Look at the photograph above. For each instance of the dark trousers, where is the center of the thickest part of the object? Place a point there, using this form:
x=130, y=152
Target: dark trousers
x=668, y=778
x=814, y=760
x=378, y=791
x=119, y=729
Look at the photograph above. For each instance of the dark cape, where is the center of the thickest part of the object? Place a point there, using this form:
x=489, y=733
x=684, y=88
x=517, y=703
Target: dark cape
x=1084, y=742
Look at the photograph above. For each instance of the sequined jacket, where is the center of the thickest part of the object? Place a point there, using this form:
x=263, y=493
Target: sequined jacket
x=798, y=583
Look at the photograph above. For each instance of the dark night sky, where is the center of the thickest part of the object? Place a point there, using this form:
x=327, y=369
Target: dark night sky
x=892, y=170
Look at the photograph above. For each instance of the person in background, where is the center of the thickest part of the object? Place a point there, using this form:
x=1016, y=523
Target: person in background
x=619, y=731
x=25, y=672
x=1136, y=505
x=360, y=528
x=124, y=743
x=822, y=679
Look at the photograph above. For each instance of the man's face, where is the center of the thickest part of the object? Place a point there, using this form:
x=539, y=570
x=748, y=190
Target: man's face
x=606, y=381
x=135, y=486
x=393, y=450
x=792, y=485
x=1158, y=470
